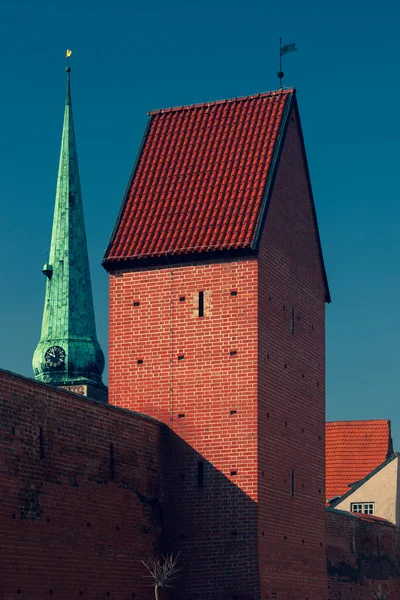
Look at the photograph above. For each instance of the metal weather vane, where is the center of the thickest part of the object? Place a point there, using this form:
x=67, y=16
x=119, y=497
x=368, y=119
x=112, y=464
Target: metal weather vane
x=68, y=54
x=286, y=49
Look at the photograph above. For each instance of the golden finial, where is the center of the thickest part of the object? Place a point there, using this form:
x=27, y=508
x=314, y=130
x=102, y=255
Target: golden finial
x=67, y=55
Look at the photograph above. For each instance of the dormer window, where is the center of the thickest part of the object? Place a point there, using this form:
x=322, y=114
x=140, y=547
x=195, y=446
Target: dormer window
x=366, y=508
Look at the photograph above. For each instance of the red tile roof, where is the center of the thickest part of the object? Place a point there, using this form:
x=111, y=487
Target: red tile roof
x=200, y=178
x=353, y=450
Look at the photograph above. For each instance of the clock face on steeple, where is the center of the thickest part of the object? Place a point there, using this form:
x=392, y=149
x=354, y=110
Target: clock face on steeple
x=55, y=357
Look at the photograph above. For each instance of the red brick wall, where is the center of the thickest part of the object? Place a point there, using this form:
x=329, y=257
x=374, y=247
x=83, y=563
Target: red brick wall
x=363, y=558
x=291, y=388
x=80, y=495
x=249, y=455
x=209, y=399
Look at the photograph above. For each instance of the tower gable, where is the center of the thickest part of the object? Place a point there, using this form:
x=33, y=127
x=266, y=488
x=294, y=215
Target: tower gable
x=290, y=180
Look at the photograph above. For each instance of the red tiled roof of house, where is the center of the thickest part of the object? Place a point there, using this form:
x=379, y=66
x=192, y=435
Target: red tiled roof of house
x=353, y=450
x=200, y=178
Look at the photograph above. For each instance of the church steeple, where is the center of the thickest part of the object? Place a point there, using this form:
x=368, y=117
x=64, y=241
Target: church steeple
x=68, y=353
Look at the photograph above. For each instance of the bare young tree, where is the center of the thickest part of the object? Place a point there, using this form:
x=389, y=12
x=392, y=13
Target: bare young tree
x=162, y=570
x=380, y=595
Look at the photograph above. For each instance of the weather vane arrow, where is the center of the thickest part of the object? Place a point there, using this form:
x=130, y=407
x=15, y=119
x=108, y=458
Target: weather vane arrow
x=282, y=51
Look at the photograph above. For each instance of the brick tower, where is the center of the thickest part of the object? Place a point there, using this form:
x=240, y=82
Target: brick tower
x=68, y=353
x=217, y=303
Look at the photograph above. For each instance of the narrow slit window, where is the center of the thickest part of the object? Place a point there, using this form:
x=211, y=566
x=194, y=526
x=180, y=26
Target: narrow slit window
x=200, y=474
x=112, y=462
x=293, y=482
x=201, y=304
x=41, y=443
x=293, y=320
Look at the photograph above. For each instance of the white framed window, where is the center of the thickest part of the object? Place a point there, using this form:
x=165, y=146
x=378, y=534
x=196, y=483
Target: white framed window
x=367, y=508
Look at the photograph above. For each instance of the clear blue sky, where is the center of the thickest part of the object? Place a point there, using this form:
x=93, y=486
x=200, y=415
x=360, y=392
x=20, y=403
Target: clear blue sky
x=130, y=57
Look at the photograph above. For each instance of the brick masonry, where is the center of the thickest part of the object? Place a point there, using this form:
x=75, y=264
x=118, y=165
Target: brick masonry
x=81, y=500
x=291, y=383
x=242, y=394
x=198, y=375
x=81, y=504
x=363, y=558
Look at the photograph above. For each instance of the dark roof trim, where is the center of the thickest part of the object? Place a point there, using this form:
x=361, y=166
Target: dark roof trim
x=327, y=292
x=126, y=194
x=272, y=173
x=361, y=482
x=291, y=105
x=175, y=259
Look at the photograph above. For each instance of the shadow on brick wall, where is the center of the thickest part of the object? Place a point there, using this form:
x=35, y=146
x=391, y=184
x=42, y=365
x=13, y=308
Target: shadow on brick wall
x=212, y=523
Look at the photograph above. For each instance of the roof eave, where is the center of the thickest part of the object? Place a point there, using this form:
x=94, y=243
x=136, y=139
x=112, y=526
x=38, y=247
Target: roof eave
x=174, y=258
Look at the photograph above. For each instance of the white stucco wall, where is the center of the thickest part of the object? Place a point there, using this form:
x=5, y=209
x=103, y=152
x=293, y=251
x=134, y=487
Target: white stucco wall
x=383, y=490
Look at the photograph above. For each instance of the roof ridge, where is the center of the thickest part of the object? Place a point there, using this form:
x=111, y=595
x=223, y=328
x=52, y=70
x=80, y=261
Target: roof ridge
x=359, y=421
x=279, y=92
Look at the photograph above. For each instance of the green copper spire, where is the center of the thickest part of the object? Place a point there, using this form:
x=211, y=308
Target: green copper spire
x=68, y=353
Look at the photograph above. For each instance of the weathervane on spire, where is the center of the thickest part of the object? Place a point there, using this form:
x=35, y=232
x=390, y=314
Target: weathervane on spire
x=282, y=51
x=67, y=56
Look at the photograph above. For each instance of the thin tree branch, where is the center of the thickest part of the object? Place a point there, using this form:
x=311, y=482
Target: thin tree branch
x=162, y=570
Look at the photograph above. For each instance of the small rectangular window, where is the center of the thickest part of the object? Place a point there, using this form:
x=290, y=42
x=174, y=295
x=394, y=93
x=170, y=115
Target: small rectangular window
x=200, y=474
x=366, y=508
x=201, y=304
